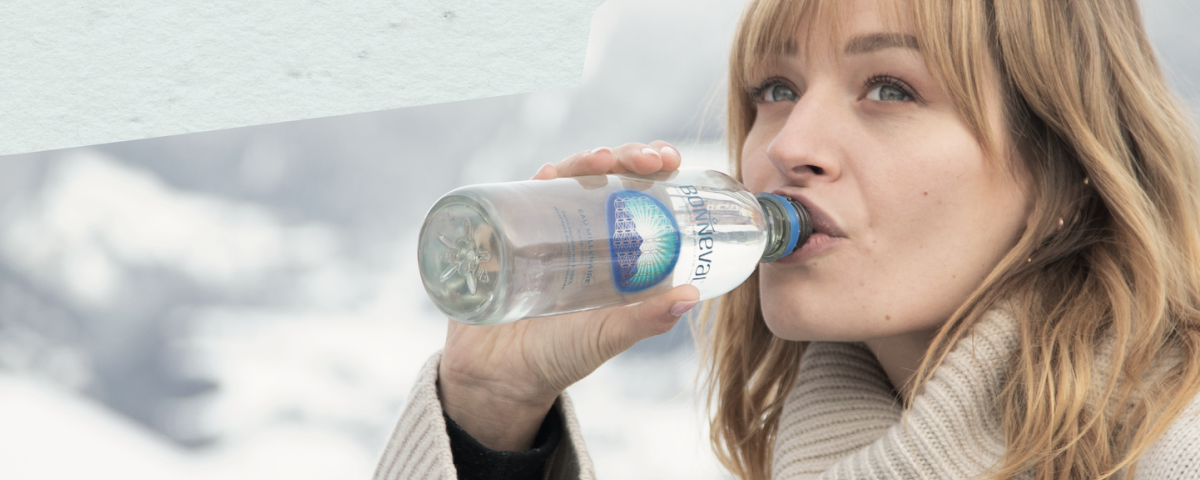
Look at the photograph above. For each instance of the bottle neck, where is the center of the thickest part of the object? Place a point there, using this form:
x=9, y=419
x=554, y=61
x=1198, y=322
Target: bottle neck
x=788, y=225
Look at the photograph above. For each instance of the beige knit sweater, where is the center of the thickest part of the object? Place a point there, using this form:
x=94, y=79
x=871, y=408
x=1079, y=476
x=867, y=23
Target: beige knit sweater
x=841, y=421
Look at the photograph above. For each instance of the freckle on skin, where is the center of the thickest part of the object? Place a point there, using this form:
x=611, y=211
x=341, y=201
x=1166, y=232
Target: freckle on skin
x=926, y=194
x=887, y=317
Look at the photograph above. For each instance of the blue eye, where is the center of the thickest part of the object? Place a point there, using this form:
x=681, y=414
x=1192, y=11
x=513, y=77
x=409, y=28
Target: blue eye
x=888, y=93
x=778, y=92
x=886, y=88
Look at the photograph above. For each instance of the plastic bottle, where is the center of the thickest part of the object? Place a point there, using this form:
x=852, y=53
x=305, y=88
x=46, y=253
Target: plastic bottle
x=501, y=252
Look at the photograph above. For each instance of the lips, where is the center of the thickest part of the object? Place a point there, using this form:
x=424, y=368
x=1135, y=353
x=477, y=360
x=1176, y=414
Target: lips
x=827, y=236
x=821, y=221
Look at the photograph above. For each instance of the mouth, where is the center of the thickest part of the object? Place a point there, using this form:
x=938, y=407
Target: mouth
x=821, y=222
x=826, y=236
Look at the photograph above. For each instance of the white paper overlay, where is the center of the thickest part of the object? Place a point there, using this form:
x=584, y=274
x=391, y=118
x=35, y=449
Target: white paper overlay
x=83, y=72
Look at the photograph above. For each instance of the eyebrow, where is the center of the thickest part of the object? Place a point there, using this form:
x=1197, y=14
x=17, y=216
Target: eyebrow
x=880, y=41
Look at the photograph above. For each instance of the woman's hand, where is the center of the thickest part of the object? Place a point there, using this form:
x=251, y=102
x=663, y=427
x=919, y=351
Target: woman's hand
x=499, y=381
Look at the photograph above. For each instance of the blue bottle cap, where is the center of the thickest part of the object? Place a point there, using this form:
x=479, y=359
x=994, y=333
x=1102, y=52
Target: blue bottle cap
x=799, y=224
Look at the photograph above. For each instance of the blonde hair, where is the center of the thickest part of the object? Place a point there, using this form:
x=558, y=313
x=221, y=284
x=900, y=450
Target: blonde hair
x=1108, y=262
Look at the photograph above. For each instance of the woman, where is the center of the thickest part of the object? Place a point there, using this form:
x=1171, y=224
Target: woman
x=1003, y=282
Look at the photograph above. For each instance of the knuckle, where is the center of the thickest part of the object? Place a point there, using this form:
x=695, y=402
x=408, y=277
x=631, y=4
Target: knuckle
x=659, y=328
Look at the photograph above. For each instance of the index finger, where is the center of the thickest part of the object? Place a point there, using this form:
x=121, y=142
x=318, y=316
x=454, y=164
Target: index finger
x=598, y=161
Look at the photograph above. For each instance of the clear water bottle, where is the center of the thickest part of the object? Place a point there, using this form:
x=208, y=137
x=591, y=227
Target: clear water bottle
x=500, y=252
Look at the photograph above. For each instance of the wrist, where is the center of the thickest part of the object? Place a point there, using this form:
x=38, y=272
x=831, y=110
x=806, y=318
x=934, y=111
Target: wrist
x=492, y=414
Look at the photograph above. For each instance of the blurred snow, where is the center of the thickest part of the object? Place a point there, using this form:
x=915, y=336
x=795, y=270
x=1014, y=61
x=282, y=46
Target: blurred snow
x=245, y=303
x=51, y=432
x=54, y=434
x=640, y=418
x=96, y=217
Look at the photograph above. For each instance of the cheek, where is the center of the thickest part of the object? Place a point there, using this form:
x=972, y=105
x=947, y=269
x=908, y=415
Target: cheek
x=941, y=229
x=756, y=169
x=918, y=171
x=923, y=191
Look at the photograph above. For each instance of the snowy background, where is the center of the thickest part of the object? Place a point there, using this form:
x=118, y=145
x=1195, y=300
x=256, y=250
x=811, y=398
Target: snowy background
x=245, y=303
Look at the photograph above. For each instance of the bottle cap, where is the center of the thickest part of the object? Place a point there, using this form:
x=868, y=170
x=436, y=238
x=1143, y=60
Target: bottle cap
x=798, y=226
x=459, y=259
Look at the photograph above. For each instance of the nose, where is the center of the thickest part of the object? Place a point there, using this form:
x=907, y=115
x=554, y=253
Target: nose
x=804, y=150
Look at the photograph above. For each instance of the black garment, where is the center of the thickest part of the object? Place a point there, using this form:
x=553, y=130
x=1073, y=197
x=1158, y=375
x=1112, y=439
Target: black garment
x=477, y=462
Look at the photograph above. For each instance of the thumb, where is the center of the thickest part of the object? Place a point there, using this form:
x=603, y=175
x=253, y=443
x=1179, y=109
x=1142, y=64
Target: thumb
x=654, y=316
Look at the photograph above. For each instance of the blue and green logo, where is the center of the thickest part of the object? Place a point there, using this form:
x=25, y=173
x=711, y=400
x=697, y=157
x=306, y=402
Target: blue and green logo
x=643, y=238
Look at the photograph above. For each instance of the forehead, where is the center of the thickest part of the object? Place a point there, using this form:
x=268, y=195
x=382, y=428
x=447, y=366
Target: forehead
x=775, y=30
x=852, y=27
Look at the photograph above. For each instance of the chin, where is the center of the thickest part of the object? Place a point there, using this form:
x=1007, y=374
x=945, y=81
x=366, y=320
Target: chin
x=798, y=313
x=802, y=316
x=798, y=326
x=787, y=330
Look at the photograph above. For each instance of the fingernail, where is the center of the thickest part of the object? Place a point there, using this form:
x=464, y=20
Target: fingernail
x=650, y=151
x=600, y=149
x=670, y=150
x=681, y=308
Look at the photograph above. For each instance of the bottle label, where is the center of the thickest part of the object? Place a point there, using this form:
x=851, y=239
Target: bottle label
x=643, y=239
x=702, y=223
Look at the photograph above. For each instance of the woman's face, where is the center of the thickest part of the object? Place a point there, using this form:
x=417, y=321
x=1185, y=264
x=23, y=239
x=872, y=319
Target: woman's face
x=909, y=214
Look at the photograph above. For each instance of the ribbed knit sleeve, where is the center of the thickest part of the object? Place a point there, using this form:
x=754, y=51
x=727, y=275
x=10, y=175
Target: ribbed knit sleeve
x=1176, y=455
x=419, y=448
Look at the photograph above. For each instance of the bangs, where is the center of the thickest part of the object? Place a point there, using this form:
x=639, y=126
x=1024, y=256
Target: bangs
x=768, y=29
x=953, y=40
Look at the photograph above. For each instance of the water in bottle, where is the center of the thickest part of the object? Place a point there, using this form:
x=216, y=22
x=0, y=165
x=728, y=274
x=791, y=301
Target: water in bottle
x=501, y=252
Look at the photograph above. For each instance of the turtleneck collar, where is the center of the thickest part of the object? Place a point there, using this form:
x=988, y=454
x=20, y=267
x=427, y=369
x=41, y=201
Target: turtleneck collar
x=843, y=420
